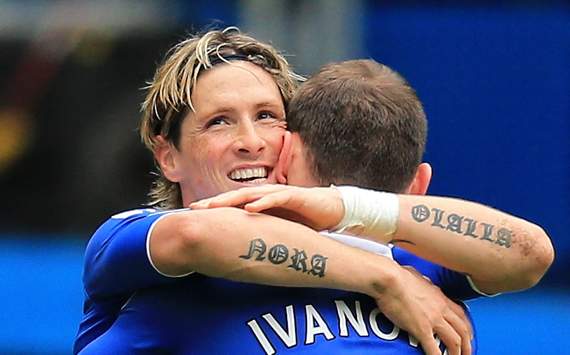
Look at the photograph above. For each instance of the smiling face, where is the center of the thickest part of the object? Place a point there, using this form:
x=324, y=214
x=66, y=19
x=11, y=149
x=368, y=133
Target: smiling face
x=233, y=138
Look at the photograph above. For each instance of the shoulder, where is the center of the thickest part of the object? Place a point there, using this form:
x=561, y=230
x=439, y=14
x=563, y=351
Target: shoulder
x=142, y=218
x=123, y=230
x=136, y=213
x=116, y=223
x=116, y=258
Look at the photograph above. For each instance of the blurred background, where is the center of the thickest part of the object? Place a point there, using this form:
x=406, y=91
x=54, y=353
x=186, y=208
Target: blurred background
x=494, y=78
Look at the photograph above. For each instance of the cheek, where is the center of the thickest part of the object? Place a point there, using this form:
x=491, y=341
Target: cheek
x=274, y=138
x=204, y=154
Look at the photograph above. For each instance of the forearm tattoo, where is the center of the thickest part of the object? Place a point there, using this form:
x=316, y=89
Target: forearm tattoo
x=278, y=254
x=462, y=225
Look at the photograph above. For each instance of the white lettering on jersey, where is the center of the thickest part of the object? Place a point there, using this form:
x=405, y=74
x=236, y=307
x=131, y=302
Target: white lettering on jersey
x=376, y=329
x=261, y=338
x=413, y=341
x=312, y=329
x=316, y=325
x=344, y=315
x=288, y=337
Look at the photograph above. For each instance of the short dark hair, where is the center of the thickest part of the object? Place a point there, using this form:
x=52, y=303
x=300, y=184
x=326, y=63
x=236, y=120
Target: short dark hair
x=362, y=124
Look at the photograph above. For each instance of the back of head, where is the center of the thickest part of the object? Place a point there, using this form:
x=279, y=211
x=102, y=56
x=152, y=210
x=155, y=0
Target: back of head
x=362, y=124
x=168, y=100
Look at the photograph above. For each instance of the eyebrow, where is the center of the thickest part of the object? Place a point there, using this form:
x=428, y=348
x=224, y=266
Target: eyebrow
x=269, y=104
x=226, y=109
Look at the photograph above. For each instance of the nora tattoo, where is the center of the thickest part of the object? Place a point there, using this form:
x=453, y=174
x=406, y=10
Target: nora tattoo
x=297, y=259
x=462, y=225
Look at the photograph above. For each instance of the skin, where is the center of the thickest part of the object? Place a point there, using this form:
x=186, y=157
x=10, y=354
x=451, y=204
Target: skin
x=488, y=245
x=207, y=242
x=239, y=123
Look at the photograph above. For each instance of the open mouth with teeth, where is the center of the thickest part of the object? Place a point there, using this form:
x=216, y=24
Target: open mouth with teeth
x=249, y=175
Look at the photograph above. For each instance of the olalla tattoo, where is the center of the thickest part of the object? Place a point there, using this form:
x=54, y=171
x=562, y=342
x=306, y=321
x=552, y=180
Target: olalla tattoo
x=279, y=253
x=462, y=225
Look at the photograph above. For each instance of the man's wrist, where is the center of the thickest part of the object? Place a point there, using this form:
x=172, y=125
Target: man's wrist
x=369, y=213
x=385, y=278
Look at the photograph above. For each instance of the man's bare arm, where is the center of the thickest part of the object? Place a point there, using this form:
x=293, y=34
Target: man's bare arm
x=250, y=247
x=498, y=251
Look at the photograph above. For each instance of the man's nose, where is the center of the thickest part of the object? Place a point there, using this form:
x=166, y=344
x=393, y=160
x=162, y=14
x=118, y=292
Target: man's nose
x=248, y=140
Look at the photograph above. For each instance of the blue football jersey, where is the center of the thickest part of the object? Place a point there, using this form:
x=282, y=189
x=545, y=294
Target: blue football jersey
x=130, y=308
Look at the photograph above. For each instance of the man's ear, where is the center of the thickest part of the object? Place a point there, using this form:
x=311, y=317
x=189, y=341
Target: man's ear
x=164, y=155
x=282, y=167
x=420, y=183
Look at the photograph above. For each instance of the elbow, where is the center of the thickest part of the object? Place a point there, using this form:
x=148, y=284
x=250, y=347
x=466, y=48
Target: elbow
x=541, y=259
x=535, y=258
x=539, y=256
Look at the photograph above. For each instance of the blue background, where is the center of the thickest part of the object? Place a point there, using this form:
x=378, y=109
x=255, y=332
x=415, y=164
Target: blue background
x=495, y=82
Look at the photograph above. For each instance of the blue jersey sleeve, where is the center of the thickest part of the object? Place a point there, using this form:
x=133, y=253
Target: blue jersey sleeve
x=454, y=284
x=116, y=257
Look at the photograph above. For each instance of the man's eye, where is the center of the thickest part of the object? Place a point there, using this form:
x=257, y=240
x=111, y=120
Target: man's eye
x=265, y=115
x=216, y=122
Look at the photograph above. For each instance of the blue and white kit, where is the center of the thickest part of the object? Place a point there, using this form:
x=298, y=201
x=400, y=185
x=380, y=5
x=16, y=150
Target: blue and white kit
x=131, y=308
